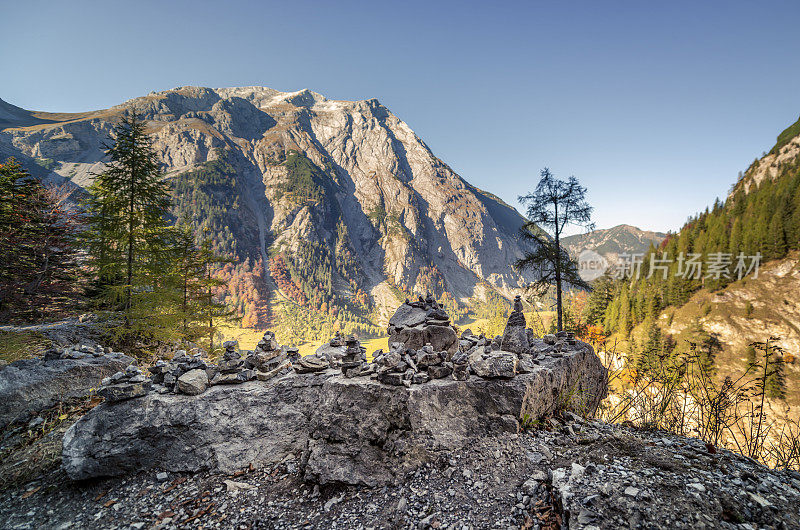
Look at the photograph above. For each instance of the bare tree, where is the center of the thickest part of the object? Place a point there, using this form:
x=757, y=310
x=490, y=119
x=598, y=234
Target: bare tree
x=551, y=207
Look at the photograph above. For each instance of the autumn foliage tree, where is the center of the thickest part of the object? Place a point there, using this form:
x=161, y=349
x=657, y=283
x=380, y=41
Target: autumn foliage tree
x=40, y=261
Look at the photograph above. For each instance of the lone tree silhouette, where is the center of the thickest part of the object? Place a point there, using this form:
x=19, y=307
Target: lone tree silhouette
x=551, y=207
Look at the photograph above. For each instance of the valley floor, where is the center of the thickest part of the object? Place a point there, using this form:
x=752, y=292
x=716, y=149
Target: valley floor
x=585, y=474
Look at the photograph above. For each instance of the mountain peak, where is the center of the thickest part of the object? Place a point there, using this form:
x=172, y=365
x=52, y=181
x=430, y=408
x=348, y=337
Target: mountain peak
x=343, y=192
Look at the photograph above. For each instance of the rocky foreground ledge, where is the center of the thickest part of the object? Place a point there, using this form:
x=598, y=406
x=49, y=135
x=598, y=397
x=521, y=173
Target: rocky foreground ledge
x=342, y=430
x=567, y=473
x=28, y=386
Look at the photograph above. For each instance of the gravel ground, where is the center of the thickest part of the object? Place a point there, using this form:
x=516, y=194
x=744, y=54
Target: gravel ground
x=578, y=474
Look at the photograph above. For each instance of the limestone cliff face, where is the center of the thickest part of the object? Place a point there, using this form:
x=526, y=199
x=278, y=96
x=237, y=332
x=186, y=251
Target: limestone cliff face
x=403, y=208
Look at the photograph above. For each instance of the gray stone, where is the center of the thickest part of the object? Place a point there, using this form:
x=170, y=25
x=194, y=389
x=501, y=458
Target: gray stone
x=461, y=372
x=283, y=369
x=497, y=364
x=441, y=371
x=415, y=324
x=426, y=359
x=226, y=379
x=230, y=366
x=408, y=316
x=193, y=382
x=265, y=360
x=549, y=339
x=443, y=338
x=30, y=385
x=525, y=363
x=420, y=378
x=353, y=431
x=311, y=363
x=124, y=391
x=515, y=335
x=391, y=378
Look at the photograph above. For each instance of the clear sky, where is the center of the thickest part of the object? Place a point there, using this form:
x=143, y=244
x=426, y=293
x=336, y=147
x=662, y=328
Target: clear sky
x=654, y=106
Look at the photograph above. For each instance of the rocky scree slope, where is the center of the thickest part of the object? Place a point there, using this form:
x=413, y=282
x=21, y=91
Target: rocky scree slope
x=571, y=473
x=350, y=176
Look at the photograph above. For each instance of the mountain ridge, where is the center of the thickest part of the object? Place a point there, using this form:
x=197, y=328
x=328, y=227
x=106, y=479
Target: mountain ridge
x=611, y=242
x=346, y=181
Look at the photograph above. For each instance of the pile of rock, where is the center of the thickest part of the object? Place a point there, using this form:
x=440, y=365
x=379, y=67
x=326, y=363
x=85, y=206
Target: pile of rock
x=190, y=373
x=125, y=385
x=406, y=366
x=232, y=369
x=172, y=376
x=270, y=360
x=354, y=362
x=408, y=362
x=516, y=337
x=76, y=351
x=416, y=324
x=333, y=351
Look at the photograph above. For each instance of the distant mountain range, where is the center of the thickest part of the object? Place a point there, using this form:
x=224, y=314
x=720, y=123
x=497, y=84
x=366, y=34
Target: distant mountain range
x=612, y=242
x=341, y=198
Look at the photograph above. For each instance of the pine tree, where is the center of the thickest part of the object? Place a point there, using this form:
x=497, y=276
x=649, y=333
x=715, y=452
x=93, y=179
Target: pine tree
x=210, y=310
x=127, y=214
x=777, y=236
x=553, y=205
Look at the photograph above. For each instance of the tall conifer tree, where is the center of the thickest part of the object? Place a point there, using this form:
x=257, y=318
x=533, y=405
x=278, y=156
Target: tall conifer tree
x=127, y=214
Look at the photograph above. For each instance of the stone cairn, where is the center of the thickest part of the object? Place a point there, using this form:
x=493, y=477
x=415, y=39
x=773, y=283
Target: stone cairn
x=125, y=385
x=190, y=373
x=416, y=324
x=423, y=347
x=82, y=351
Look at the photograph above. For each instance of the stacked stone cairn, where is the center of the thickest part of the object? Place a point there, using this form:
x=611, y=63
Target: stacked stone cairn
x=354, y=362
x=185, y=373
x=416, y=324
x=190, y=373
x=82, y=351
x=125, y=385
x=270, y=360
x=423, y=347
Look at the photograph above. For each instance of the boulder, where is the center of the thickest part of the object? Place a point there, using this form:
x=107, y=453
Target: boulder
x=125, y=391
x=442, y=338
x=496, y=364
x=193, y=382
x=416, y=324
x=311, y=363
x=30, y=385
x=441, y=371
x=344, y=430
x=408, y=316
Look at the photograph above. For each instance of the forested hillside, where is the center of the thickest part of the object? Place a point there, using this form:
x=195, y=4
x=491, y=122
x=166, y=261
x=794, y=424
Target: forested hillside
x=722, y=290
x=714, y=248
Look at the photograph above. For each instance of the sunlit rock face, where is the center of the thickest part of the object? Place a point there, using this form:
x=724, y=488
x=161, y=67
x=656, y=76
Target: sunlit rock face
x=410, y=219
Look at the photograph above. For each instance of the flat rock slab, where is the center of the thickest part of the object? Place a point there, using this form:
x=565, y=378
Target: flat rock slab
x=354, y=431
x=30, y=385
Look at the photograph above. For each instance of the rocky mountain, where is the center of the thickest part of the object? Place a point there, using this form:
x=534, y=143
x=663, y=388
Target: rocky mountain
x=611, y=242
x=774, y=164
x=343, y=201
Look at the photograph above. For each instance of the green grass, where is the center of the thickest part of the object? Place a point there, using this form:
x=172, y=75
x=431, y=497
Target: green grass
x=786, y=136
x=15, y=345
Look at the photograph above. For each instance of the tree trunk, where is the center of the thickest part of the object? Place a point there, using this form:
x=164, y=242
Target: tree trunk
x=131, y=216
x=558, y=270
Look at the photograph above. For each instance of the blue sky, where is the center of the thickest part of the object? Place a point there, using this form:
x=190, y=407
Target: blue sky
x=655, y=107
